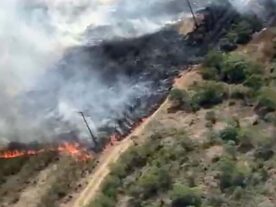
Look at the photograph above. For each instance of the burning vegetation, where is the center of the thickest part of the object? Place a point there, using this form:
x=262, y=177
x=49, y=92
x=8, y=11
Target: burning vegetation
x=155, y=60
x=74, y=149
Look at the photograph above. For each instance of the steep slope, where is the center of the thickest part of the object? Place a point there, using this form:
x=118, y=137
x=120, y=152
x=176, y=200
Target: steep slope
x=221, y=154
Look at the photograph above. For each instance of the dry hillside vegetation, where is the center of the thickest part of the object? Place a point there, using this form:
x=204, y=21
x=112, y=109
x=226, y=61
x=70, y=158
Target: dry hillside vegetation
x=43, y=180
x=213, y=144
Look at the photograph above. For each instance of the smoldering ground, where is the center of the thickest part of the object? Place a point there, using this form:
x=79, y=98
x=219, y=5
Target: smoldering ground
x=41, y=93
x=55, y=62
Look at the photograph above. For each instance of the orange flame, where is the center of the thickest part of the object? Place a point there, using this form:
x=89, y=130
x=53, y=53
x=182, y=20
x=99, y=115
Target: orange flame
x=75, y=150
x=72, y=149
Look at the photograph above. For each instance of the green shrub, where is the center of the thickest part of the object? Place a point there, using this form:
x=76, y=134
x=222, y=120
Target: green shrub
x=265, y=148
x=240, y=32
x=233, y=174
x=264, y=153
x=103, y=201
x=152, y=181
x=119, y=169
x=230, y=133
x=254, y=81
x=232, y=36
x=135, y=157
x=209, y=73
x=212, y=65
x=184, y=196
x=240, y=92
x=267, y=98
x=238, y=193
x=216, y=200
x=180, y=99
x=246, y=141
x=176, y=95
x=226, y=45
x=244, y=32
x=214, y=59
x=230, y=148
x=255, y=23
x=237, y=68
x=208, y=94
x=110, y=186
x=187, y=143
x=231, y=68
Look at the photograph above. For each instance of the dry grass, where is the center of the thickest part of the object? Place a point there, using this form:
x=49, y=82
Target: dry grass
x=260, y=48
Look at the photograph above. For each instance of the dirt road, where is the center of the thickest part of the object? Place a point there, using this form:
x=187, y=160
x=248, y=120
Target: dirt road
x=113, y=154
x=110, y=156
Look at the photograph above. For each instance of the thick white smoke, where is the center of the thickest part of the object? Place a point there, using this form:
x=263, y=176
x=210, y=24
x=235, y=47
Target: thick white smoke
x=258, y=7
x=34, y=34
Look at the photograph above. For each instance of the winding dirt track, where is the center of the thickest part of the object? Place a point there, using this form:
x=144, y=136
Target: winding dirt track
x=108, y=157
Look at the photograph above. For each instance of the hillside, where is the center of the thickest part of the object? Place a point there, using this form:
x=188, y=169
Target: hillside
x=204, y=135
x=212, y=143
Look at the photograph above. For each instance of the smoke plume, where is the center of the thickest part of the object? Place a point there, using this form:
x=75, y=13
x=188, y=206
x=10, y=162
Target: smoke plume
x=37, y=101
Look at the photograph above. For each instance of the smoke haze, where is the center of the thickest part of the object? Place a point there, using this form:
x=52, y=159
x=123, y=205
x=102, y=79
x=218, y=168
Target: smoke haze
x=37, y=102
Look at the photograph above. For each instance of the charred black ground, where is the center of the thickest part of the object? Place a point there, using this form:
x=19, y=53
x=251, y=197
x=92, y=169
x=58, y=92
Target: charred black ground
x=155, y=58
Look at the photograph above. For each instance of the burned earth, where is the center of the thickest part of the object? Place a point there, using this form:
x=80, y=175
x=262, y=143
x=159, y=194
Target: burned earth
x=118, y=83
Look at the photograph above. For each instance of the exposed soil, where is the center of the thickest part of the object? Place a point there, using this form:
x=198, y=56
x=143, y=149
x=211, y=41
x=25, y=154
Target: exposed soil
x=193, y=123
x=39, y=187
x=113, y=153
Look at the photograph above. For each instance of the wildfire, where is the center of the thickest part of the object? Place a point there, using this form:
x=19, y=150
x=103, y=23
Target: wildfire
x=72, y=149
x=17, y=153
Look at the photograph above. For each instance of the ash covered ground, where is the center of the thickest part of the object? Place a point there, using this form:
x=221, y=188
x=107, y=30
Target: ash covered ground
x=118, y=82
x=119, y=74
x=47, y=76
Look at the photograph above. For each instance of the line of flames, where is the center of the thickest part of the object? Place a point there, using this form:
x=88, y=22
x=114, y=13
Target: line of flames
x=73, y=149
